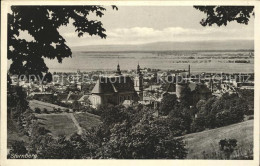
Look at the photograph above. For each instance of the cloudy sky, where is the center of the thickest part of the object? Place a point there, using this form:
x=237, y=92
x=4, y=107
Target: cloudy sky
x=138, y=25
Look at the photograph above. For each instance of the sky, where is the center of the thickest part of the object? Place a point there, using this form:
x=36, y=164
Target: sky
x=147, y=24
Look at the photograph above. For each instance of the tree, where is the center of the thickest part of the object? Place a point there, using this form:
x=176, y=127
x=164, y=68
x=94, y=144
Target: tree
x=248, y=96
x=45, y=111
x=111, y=115
x=37, y=110
x=179, y=120
x=42, y=23
x=168, y=103
x=227, y=146
x=218, y=112
x=147, y=139
x=48, y=77
x=18, y=148
x=16, y=101
x=9, y=82
x=221, y=15
x=186, y=96
x=76, y=105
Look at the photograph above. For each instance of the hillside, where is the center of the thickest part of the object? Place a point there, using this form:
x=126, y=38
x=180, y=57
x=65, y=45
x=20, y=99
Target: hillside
x=164, y=46
x=208, y=140
x=67, y=123
x=39, y=104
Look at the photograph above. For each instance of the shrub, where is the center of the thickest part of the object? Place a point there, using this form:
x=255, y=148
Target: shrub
x=45, y=111
x=227, y=146
x=37, y=110
x=59, y=110
x=249, y=112
x=250, y=117
x=17, y=148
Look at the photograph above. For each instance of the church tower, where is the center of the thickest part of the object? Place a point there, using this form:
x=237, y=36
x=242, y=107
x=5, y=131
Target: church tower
x=138, y=83
x=118, y=71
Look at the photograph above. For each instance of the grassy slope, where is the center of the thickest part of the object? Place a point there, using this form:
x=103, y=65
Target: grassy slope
x=58, y=124
x=35, y=103
x=87, y=120
x=62, y=124
x=208, y=140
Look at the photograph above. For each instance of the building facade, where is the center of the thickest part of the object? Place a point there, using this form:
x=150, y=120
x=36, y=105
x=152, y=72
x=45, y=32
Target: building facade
x=116, y=89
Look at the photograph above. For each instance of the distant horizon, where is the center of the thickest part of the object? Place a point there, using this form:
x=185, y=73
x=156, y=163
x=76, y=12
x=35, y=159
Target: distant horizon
x=163, y=46
x=194, y=41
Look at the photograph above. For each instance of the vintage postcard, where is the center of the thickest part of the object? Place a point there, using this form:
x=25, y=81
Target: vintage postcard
x=120, y=82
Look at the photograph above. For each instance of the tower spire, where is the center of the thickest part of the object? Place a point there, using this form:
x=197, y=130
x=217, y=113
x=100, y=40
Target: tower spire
x=118, y=71
x=138, y=83
x=189, y=71
x=138, y=69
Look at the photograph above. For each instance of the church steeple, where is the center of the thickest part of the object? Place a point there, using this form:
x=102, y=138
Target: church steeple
x=138, y=83
x=138, y=69
x=118, y=71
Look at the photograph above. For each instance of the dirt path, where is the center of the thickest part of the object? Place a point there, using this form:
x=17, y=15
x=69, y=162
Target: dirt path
x=80, y=131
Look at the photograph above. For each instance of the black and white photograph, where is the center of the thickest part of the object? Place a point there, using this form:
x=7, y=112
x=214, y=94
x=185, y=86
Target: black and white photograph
x=129, y=82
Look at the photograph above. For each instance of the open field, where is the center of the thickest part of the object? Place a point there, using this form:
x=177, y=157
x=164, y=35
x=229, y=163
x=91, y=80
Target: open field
x=208, y=140
x=35, y=103
x=58, y=124
x=87, y=120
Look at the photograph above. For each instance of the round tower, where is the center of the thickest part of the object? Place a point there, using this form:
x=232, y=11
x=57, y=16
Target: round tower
x=180, y=87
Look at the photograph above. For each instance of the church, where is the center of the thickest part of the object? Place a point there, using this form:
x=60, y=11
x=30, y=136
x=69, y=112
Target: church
x=117, y=88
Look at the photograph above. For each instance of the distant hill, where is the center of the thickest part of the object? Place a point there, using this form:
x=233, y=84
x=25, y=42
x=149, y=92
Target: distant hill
x=164, y=46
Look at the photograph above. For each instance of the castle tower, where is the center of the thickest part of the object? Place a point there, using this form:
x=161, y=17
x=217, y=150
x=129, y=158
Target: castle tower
x=138, y=83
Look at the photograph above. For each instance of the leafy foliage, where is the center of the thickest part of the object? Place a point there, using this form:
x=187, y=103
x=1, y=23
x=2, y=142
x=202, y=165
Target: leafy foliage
x=227, y=146
x=18, y=147
x=42, y=23
x=149, y=138
x=126, y=133
x=16, y=101
x=221, y=15
x=179, y=120
x=248, y=96
x=168, y=103
x=48, y=77
x=37, y=110
x=228, y=109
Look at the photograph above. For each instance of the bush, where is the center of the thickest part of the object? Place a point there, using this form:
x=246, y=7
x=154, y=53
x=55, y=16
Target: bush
x=250, y=117
x=59, y=110
x=45, y=111
x=249, y=112
x=227, y=146
x=37, y=110
x=17, y=148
